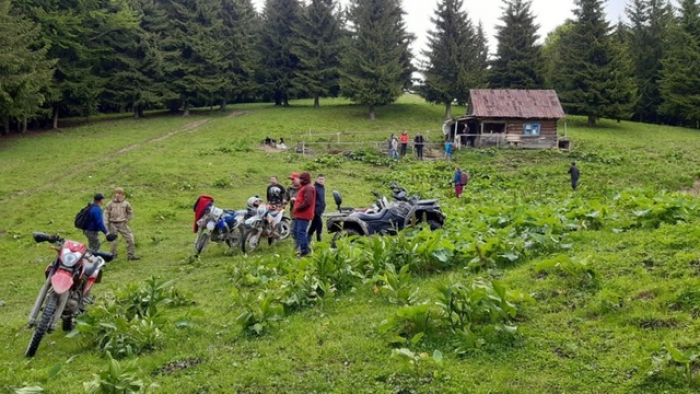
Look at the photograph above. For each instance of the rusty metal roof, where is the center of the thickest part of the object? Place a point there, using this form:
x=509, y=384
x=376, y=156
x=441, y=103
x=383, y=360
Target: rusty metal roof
x=513, y=103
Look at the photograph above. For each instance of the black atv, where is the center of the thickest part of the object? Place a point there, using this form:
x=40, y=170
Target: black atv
x=383, y=217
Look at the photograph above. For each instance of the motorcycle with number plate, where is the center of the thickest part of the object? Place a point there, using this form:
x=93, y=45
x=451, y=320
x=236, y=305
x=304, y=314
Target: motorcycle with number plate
x=65, y=293
x=268, y=221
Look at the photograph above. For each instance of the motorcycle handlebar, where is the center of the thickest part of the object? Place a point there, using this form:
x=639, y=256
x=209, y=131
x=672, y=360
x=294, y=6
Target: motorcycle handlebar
x=43, y=237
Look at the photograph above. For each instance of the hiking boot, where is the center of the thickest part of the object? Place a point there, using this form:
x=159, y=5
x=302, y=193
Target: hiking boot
x=132, y=258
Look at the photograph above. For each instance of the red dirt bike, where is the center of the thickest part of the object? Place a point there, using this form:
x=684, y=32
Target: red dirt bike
x=69, y=279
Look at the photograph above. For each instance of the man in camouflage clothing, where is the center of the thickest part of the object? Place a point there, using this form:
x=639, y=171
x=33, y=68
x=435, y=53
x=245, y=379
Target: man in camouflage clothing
x=118, y=214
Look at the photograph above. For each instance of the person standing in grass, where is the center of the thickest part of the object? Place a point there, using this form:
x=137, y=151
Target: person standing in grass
x=418, y=143
x=393, y=146
x=118, y=214
x=317, y=222
x=95, y=222
x=275, y=192
x=404, y=142
x=449, y=150
x=460, y=179
x=303, y=211
x=290, y=196
x=574, y=172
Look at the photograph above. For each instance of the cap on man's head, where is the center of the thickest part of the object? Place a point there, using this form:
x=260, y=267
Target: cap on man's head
x=98, y=197
x=294, y=175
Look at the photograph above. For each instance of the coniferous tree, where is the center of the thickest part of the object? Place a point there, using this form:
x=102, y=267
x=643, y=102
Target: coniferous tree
x=452, y=57
x=239, y=37
x=624, y=91
x=195, y=73
x=518, y=63
x=551, y=51
x=320, y=34
x=680, y=80
x=584, y=81
x=481, y=66
x=649, y=21
x=137, y=75
x=80, y=34
x=279, y=62
x=375, y=66
x=25, y=73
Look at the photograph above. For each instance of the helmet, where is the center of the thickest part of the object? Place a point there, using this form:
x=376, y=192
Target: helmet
x=253, y=202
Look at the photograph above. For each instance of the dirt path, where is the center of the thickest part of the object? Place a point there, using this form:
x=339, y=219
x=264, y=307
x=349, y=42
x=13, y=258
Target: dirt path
x=189, y=127
x=694, y=190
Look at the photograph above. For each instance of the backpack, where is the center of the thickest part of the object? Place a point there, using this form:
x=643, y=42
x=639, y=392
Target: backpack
x=82, y=219
x=463, y=178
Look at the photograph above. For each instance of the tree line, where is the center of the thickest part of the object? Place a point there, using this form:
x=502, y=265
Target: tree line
x=67, y=58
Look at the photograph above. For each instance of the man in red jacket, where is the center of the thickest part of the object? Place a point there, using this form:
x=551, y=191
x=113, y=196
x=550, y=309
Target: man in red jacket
x=303, y=211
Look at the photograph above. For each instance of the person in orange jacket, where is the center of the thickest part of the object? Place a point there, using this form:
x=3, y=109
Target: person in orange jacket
x=404, y=142
x=303, y=211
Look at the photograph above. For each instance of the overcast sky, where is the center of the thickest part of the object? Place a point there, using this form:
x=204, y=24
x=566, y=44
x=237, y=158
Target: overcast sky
x=548, y=14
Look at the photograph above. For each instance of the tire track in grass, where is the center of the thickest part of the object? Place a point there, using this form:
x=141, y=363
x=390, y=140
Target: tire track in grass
x=189, y=127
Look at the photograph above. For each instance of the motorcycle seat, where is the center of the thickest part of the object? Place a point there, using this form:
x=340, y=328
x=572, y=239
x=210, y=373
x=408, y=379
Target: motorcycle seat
x=367, y=217
x=428, y=202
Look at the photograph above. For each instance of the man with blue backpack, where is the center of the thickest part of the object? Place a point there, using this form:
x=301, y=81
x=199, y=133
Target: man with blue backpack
x=90, y=220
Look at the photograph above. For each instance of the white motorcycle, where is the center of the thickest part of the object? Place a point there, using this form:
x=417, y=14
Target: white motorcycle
x=221, y=226
x=268, y=221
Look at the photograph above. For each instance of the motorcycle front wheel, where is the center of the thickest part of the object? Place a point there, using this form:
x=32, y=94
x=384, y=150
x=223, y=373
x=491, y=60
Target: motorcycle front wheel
x=283, y=229
x=342, y=233
x=201, y=242
x=43, y=326
x=251, y=240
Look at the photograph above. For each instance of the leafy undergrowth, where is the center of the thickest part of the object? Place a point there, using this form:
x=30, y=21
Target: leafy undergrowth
x=528, y=288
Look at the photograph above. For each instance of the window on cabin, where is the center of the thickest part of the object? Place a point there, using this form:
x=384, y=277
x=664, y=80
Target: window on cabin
x=531, y=128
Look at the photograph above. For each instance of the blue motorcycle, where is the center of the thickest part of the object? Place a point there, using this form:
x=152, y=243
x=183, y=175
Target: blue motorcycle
x=220, y=226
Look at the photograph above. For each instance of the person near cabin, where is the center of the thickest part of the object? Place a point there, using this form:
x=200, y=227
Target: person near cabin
x=95, y=223
x=404, y=142
x=303, y=212
x=575, y=173
x=317, y=222
x=118, y=214
x=392, y=146
x=449, y=149
x=275, y=192
x=418, y=143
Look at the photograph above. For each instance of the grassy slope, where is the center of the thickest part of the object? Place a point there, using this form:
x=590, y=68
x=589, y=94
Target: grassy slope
x=567, y=345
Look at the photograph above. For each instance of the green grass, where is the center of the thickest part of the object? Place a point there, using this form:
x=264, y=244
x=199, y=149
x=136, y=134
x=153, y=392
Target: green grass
x=598, y=338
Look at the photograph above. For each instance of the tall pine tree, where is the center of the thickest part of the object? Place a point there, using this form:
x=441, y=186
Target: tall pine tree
x=584, y=81
x=680, y=80
x=375, y=67
x=624, y=91
x=279, y=62
x=25, y=73
x=518, y=63
x=649, y=20
x=320, y=33
x=238, y=35
x=452, y=57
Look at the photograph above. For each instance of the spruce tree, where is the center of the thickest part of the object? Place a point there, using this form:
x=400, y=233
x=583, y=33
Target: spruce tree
x=585, y=82
x=318, y=48
x=452, y=57
x=25, y=72
x=279, y=62
x=375, y=67
x=195, y=74
x=81, y=34
x=680, y=81
x=624, y=92
x=518, y=63
x=649, y=21
x=239, y=35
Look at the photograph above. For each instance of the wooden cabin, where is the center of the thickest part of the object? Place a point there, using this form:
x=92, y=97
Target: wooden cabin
x=509, y=117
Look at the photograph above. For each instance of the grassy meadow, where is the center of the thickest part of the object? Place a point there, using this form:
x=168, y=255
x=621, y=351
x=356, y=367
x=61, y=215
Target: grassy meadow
x=593, y=291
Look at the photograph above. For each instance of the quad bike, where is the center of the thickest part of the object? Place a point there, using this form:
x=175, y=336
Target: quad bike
x=65, y=293
x=388, y=220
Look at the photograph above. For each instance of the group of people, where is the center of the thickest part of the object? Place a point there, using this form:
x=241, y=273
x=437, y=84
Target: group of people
x=393, y=145
x=117, y=215
x=307, y=205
